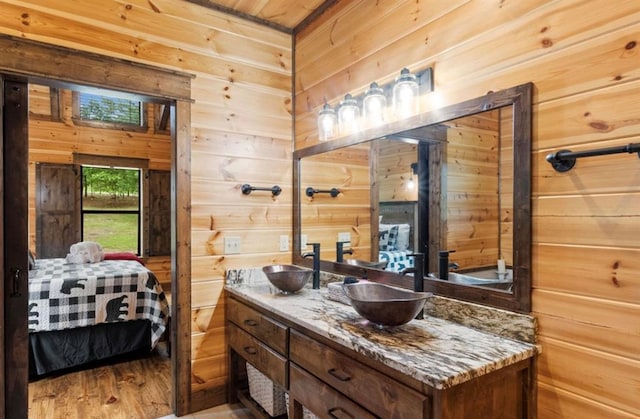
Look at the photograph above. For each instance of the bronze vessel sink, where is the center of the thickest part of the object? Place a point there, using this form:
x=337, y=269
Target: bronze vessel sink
x=384, y=305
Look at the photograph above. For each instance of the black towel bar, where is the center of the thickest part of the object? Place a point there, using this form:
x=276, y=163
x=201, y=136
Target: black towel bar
x=311, y=191
x=275, y=189
x=564, y=160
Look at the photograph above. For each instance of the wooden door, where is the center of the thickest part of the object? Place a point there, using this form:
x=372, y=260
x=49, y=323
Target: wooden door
x=57, y=209
x=15, y=247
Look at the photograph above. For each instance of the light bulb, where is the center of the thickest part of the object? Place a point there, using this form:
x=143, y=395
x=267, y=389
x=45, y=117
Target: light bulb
x=411, y=183
x=373, y=105
x=348, y=115
x=326, y=123
x=405, y=94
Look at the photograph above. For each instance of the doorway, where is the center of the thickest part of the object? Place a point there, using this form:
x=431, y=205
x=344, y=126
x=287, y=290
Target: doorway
x=66, y=68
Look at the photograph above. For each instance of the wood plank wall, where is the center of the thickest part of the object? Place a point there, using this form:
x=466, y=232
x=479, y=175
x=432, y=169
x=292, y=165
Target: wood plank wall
x=472, y=192
x=394, y=171
x=584, y=60
x=323, y=218
x=241, y=133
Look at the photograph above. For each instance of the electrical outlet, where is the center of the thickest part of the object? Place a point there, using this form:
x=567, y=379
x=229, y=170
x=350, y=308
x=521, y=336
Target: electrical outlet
x=284, y=243
x=303, y=241
x=232, y=245
x=344, y=237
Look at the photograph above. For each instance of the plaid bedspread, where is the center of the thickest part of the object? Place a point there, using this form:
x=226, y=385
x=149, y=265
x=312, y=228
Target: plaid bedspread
x=63, y=296
x=396, y=260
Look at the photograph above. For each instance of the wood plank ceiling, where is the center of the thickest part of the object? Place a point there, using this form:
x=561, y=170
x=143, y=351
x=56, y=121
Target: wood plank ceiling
x=285, y=15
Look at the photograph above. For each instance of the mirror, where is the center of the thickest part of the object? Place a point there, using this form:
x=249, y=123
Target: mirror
x=456, y=178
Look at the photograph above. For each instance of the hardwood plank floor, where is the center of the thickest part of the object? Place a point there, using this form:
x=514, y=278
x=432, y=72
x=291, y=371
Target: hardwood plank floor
x=136, y=389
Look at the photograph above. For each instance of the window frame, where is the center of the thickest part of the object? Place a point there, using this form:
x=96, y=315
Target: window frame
x=121, y=126
x=81, y=159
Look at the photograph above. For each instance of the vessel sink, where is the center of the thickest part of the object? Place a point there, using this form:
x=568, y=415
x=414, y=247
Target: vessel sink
x=287, y=278
x=366, y=264
x=484, y=278
x=384, y=305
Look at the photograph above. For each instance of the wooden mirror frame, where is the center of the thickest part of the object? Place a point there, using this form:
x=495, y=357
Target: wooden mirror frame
x=519, y=98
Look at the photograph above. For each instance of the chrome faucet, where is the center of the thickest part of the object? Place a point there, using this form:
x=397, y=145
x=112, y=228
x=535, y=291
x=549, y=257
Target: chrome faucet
x=316, y=264
x=444, y=265
x=340, y=251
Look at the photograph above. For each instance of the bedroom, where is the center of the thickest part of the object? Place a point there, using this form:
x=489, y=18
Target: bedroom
x=65, y=148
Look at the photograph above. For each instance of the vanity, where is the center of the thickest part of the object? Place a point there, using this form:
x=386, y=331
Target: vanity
x=337, y=365
x=472, y=202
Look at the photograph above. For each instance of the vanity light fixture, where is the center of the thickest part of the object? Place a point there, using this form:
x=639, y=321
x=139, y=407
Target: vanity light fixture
x=374, y=103
x=414, y=171
x=405, y=94
x=327, y=123
x=348, y=115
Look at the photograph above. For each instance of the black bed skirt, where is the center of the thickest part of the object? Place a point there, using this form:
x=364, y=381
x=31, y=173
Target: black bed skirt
x=58, y=351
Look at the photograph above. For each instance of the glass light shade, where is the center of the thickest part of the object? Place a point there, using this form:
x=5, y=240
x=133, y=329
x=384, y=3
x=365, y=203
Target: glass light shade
x=373, y=105
x=327, y=123
x=348, y=115
x=405, y=94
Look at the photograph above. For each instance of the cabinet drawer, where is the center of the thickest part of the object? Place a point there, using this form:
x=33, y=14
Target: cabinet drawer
x=321, y=399
x=379, y=393
x=265, y=359
x=263, y=327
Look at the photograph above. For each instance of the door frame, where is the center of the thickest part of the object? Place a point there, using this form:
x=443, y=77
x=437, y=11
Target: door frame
x=63, y=67
x=15, y=162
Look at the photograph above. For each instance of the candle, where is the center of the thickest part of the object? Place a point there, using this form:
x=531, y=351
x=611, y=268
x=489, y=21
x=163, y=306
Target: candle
x=501, y=266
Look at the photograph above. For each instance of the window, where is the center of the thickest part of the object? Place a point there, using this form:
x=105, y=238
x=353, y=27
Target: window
x=79, y=201
x=109, y=111
x=111, y=210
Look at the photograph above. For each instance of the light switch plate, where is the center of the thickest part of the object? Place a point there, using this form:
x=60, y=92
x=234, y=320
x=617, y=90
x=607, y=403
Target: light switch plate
x=344, y=237
x=303, y=241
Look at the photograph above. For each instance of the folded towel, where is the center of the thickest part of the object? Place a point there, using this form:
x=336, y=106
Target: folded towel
x=85, y=252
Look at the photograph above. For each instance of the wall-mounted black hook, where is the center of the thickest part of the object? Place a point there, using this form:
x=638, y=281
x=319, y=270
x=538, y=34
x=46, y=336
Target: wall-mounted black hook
x=564, y=160
x=275, y=189
x=333, y=192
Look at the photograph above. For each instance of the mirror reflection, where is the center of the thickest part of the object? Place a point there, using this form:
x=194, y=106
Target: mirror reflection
x=383, y=177
x=443, y=191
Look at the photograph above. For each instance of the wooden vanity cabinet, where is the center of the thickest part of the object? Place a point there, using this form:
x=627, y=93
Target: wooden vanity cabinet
x=335, y=382
x=256, y=338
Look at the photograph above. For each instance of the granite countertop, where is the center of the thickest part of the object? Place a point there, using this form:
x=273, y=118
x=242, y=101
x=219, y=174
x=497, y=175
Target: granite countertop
x=434, y=351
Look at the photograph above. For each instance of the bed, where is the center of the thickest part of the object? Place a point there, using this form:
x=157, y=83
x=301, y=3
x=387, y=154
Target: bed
x=397, y=237
x=82, y=313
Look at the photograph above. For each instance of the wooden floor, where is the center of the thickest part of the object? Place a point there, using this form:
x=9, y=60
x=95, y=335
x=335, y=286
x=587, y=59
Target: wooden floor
x=137, y=389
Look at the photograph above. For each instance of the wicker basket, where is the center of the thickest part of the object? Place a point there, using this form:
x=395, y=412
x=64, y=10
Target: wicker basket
x=306, y=414
x=265, y=392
